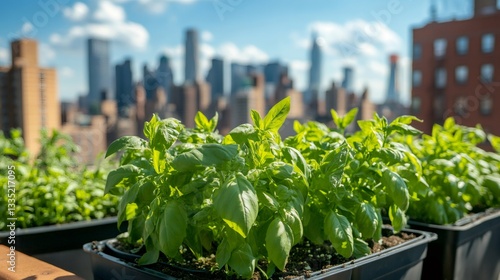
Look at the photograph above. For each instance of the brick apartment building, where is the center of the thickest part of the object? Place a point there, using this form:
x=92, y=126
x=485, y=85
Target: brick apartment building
x=456, y=70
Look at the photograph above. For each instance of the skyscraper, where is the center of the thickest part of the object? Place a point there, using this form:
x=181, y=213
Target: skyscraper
x=191, y=56
x=123, y=87
x=239, y=77
x=165, y=76
x=150, y=82
x=28, y=95
x=393, y=87
x=215, y=78
x=348, y=81
x=314, y=71
x=98, y=73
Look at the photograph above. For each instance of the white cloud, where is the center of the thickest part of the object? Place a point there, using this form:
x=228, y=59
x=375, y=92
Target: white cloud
x=109, y=23
x=27, y=28
x=78, y=12
x=298, y=72
x=159, y=6
x=66, y=72
x=207, y=36
x=363, y=45
x=3, y=55
x=247, y=54
x=108, y=12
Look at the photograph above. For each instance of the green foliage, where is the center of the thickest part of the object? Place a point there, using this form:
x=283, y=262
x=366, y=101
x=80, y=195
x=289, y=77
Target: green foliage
x=460, y=176
x=251, y=195
x=52, y=188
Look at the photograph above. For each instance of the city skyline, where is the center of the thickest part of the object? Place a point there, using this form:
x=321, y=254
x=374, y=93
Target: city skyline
x=144, y=33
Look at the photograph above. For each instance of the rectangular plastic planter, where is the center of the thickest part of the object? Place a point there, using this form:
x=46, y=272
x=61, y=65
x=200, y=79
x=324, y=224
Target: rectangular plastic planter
x=61, y=245
x=403, y=261
x=467, y=251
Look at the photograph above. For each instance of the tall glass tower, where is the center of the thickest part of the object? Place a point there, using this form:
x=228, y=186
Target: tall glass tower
x=314, y=71
x=191, y=56
x=393, y=88
x=99, y=73
x=165, y=76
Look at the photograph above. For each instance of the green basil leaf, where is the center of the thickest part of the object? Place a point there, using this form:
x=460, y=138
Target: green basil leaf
x=367, y=220
x=339, y=232
x=277, y=115
x=172, y=228
x=237, y=204
x=242, y=260
x=396, y=188
x=125, y=142
x=279, y=241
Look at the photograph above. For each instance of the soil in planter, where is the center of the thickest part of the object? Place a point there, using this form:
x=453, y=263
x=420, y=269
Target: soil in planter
x=305, y=258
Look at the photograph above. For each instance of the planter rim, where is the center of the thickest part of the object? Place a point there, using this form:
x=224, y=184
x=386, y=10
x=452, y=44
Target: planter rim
x=423, y=238
x=470, y=222
x=61, y=227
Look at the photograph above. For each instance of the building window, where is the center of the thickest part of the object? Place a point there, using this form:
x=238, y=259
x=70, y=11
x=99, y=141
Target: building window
x=487, y=43
x=417, y=51
x=462, y=45
x=416, y=104
x=461, y=74
x=440, y=77
x=487, y=73
x=439, y=47
x=417, y=78
x=461, y=106
x=486, y=105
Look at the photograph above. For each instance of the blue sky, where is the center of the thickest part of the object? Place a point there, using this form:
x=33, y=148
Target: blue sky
x=361, y=34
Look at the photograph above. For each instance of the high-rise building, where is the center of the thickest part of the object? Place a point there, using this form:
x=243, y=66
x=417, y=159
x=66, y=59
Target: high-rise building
x=28, y=95
x=336, y=98
x=456, y=70
x=215, y=78
x=165, y=76
x=124, y=87
x=313, y=88
x=240, y=78
x=191, y=98
x=150, y=82
x=393, y=86
x=191, y=62
x=98, y=73
x=348, y=81
x=247, y=99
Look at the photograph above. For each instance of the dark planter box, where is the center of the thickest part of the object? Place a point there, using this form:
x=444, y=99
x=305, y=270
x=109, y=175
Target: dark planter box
x=61, y=245
x=403, y=261
x=468, y=251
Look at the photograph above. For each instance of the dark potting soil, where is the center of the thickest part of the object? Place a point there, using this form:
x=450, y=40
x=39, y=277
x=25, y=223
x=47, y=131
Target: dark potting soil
x=304, y=259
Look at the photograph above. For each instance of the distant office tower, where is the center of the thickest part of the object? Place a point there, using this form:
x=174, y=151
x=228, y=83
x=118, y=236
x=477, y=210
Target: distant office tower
x=239, y=78
x=124, y=87
x=247, y=99
x=273, y=72
x=150, y=83
x=191, y=98
x=165, y=76
x=335, y=98
x=191, y=56
x=314, y=71
x=98, y=73
x=348, y=81
x=393, y=87
x=285, y=89
x=215, y=78
x=28, y=95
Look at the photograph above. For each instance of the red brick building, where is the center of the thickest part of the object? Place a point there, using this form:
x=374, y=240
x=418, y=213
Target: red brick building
x=456, y=70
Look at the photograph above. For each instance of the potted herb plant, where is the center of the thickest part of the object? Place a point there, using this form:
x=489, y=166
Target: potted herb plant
x=461, y=204
x=244, y=204
x=50, y=205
